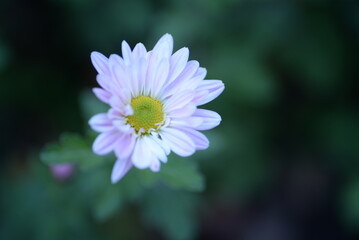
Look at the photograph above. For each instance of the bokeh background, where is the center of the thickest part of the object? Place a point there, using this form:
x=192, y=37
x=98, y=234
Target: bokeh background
x=283, y=164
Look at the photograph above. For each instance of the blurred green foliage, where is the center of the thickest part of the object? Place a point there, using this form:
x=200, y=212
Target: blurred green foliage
x=291, y=76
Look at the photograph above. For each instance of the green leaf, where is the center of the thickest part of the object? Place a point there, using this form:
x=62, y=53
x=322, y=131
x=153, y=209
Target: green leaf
x=172, y=212
x=71, y=148
x=107, y=203
x=182, y=173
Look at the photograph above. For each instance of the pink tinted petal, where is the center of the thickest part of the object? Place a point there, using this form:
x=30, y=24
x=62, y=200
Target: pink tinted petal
x=104, y=143
x=178, y=100
x=126, y=53
x=211, y=119
x=141, y=157
x=121, y=167
x=179, y=142
x=101, y=94
x=199, y=139
x=214, y=87
x=100, y=62
x=125, y=145
x=186, y=111
x=178, y=62
x=101, y=123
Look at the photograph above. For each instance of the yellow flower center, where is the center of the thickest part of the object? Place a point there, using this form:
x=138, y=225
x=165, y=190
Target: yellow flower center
x=148, y=114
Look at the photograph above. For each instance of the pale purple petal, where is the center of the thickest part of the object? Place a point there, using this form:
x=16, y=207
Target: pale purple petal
x=121, y=167
x=186, y=111
x=126, y=53
x=179, y=142
x=119, y=73
x=178, y=63
x=214, y=88
x=160, y=77
x=155, y=165
x=139, y=51
x=101, y=123
x=199, y=139
x=201, y=72
x=210, y=118
x=178, y=101
x=186, y=122
x=102, y=94
x=124, y=145
x=105, y=82
x=100, y=62
x=105, y=142
x=164, y=47
x=187, y=73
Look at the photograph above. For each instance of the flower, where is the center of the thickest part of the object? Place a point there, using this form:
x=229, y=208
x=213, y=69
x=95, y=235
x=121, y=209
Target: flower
x=153, y=97
x=62, y=171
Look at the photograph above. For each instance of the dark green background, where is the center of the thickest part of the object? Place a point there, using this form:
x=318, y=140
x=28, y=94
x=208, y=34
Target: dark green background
x=282, y=165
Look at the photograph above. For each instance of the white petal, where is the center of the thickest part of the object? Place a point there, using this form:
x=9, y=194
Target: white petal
x=101, y=123
x=163, y=145
x=156, y=149
x=126, y=53
x=179, y=142
x=142, y=71
x=164, y=46
x=155, y=165
x=160, y=77
x=211, y=119
x=139, y=51
x=100, y=62
x=102, y=94
x=104, y=143
x=124, y=146
x=121, y=167
x=142, y=156
x=199, y=139
x=178, y=63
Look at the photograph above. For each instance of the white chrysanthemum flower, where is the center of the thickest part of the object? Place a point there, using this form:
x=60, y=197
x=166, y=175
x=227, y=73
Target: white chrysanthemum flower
x=153, y=98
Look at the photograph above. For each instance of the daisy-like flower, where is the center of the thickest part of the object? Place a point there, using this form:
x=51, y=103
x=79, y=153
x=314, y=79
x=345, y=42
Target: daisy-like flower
x=154, y=98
